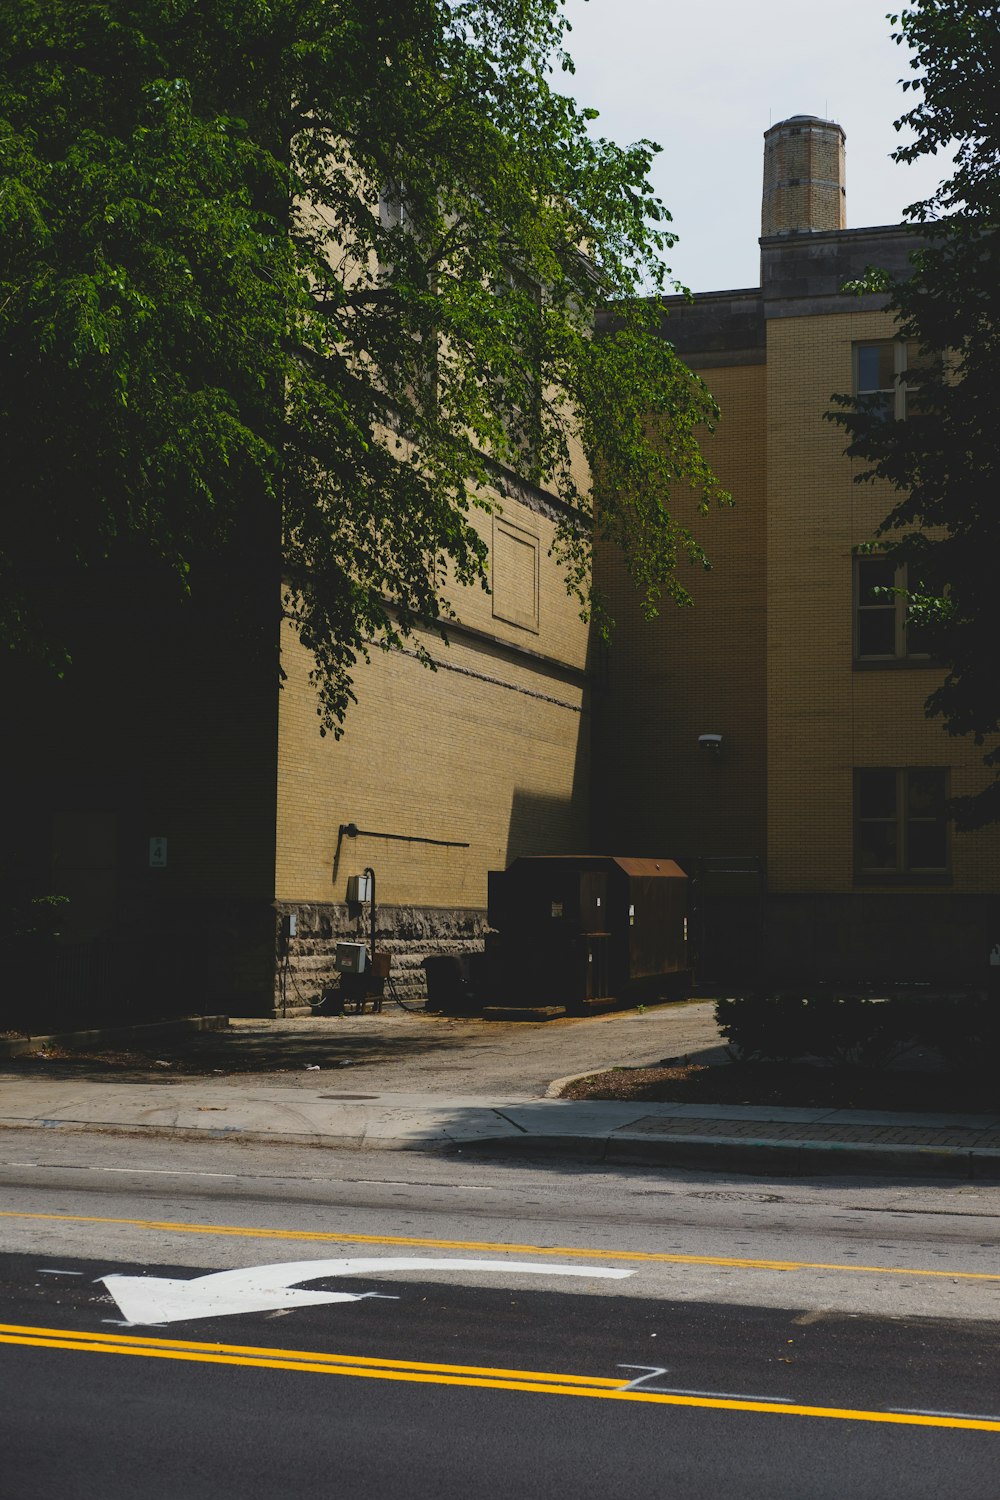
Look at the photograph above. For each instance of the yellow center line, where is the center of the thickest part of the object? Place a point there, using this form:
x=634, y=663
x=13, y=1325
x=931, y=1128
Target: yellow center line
x=471, y=1376
x=12, y=1333
x=166, y=1226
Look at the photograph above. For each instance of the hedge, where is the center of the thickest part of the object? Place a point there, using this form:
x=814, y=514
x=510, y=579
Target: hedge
x=864, y=1030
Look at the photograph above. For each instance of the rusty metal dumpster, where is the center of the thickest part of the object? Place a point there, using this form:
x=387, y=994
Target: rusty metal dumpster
x=582, y=930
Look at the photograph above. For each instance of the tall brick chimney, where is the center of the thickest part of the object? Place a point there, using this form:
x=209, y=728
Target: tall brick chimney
x=804, y=176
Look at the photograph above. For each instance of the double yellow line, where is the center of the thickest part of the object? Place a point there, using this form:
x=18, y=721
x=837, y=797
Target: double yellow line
x=485, y=1377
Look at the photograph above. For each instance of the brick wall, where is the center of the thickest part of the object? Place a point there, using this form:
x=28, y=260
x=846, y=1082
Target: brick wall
x=825, y=717
x=766, y=659
x=804, y=174
x=491, y=751
x=693, y=671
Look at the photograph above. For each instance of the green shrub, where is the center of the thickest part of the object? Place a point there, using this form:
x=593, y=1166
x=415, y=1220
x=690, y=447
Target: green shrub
x=857, y=1029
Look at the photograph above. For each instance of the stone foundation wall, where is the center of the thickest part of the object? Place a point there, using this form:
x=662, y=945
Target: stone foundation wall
x=409, y=933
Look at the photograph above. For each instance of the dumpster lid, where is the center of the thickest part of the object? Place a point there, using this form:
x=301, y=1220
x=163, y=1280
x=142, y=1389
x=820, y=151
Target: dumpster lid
x=650, y=868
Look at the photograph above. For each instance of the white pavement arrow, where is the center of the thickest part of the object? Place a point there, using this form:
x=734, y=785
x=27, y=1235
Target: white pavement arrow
x=165, y=1299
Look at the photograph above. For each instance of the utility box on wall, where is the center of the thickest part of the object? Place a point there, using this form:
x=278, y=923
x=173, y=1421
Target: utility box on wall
x=580, y=930
x=359, y=888
x=351, y=958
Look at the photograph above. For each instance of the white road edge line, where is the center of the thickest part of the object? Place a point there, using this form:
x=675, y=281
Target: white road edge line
x=671, y=1390
x=70, y=1166
x=918, y=1411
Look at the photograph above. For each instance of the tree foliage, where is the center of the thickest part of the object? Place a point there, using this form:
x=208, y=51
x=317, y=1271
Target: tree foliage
x=333, y=260
x=944, y=459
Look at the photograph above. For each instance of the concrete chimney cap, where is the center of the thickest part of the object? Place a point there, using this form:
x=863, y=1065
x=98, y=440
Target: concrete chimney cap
x=805, y=120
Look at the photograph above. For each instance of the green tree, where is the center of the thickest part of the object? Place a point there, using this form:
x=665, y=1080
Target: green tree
x=944, y=459
x=333, y=260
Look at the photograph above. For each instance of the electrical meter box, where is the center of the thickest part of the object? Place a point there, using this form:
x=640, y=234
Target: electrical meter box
x=352, y=958
x=359, y=888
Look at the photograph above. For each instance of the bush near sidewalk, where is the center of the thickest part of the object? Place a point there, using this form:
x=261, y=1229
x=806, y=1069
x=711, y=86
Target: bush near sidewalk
x=866, y=1030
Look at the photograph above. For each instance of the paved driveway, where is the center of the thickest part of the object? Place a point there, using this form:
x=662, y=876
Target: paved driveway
x=404, y=1053
x=430, y=1054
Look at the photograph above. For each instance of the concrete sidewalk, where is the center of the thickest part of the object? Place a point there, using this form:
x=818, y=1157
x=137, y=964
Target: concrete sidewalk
x=706, y=1136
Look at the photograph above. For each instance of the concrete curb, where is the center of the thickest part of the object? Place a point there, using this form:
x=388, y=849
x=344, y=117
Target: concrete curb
x=791, y=1158
x=146, y=1030
x=555, y=1088
x=318, y=1140
x=794, y=1158
x=208, y=1133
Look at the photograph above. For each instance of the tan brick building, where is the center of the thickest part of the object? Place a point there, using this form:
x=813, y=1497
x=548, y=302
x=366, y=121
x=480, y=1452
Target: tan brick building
x=771, y=739
x=818, y=821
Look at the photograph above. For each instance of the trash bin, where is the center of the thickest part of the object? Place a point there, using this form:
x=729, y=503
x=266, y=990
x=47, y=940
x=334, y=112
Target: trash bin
x=448, y=987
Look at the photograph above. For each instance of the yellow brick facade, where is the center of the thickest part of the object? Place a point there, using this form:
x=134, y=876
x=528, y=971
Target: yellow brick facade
x=825, y=717
x=767, y=659
x=693, y=671
x=489, y=751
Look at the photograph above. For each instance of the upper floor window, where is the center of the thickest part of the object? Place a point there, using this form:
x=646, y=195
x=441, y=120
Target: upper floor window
x=520, y=302
x=875, y=370
x=880, y=377
x=900, y=827
x=392, y=210
x=882, y=629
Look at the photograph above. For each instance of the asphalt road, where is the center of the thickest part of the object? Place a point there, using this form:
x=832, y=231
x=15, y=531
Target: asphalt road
x=787, y=1339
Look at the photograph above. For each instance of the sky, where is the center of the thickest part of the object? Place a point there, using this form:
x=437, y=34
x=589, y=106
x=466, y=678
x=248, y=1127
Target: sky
x=705, y=80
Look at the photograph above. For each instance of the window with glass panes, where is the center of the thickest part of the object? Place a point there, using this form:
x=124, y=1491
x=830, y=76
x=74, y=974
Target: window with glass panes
x=880, y=376
x=876, y=370
x=882, y=629
x=900, y=827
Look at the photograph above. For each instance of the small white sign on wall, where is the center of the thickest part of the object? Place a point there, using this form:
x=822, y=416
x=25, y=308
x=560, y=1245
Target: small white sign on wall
x=157, y=854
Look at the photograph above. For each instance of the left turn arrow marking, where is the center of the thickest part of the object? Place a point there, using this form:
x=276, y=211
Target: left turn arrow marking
x=167, y=1299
